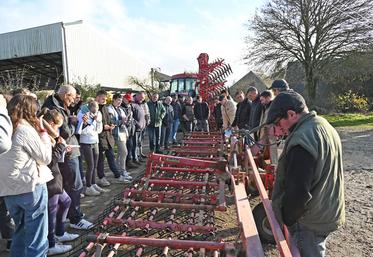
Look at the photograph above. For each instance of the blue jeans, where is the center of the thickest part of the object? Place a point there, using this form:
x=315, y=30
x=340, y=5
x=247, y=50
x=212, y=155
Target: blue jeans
x=154, y=138
x=109, y=153
x=30, y=214
x=310, y=243
x=175, y=127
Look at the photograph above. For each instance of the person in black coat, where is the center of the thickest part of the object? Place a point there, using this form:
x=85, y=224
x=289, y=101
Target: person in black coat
x=217, y=114
x=242, y=117
x=202, y=114
x=256, y=109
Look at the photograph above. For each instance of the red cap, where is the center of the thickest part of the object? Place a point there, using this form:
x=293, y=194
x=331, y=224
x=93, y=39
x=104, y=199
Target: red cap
x=128, y=96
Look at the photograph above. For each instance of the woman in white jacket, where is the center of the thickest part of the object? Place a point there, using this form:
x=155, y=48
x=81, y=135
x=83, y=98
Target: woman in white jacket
x=89, y=126
x=23, y=178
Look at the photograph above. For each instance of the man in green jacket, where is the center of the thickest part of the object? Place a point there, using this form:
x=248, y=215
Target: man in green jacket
x=157, y=113
x=308, y=194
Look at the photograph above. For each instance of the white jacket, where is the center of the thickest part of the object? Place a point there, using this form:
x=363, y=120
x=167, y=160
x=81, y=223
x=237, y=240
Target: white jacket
x=5, y=131
x=89, y=133
x=20, y=171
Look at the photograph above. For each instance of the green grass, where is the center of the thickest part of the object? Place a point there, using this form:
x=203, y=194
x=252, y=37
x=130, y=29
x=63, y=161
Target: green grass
x=361, y=120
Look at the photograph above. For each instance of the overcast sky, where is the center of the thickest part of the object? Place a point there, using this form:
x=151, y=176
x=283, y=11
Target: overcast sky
x=169, y=34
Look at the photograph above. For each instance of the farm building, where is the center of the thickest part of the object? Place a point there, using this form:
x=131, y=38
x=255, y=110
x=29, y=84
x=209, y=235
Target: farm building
x=66, y=52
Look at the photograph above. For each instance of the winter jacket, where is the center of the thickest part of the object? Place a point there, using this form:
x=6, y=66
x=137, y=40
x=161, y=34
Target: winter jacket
x=106, y=139
x=256, y=111
x=67, y=130
x=201, y=111
x=228, y=112
x=55, y=186
x=6, y=129
x=317, y=195
x=169, y=116
x=188, y=111
x=138, y=116
x=130, y=123
x=89, y=132
x=217, y=115
x=118, y=117
x=21, y=166
x=242, y=116
x=157, y=113
x=177, y=110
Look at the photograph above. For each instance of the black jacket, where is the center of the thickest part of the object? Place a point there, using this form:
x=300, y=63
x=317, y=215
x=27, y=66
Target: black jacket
x=217, y=115
x=177, y=110
x=67, y=130
x=169, y=117
x=55, y=186
x=201, y=111
x=256, y=112
x=242, y=117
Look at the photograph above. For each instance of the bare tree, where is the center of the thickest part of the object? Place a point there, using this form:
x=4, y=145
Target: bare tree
x=313, y=32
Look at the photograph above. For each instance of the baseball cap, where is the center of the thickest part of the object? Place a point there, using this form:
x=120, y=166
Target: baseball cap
x=128, y=97
x=280, y=84
x=288, y=100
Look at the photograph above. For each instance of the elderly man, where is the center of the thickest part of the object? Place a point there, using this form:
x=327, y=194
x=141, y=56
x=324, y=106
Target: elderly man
x=278, y=86
x=6, y=128
x=308, y=194
x=73, y=184
x=140, y=120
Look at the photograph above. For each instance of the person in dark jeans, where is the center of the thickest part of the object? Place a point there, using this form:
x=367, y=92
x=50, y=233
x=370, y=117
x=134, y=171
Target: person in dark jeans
x=106, y=142
x=202, y=114
x=131, y=128
x=157, y=113
x=176, y=106
x=6, y=224
x=167, y=123
x=69, y=168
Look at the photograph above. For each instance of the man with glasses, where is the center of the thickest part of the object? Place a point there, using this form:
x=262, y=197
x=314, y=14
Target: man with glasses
x=308, y=194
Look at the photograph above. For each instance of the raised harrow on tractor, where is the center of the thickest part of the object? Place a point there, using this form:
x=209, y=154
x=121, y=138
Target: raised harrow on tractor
x=172, y=210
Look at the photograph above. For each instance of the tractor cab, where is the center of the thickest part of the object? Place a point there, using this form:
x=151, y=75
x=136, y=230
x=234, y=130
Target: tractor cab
x=184, y=84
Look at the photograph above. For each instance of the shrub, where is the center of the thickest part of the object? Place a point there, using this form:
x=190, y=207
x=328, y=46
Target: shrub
x=351, y=102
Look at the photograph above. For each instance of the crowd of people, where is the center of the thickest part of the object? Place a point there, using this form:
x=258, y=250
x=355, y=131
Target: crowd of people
x=53, y=155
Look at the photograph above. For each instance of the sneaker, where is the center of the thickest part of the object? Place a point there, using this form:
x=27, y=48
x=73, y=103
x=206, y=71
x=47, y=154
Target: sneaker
x=82, y=224
x=143, y=156
x=82, y=196
x=98, y=189
x=126, y=175
x=67, y=237
x=91, y=191
x=124, y=179
x=103, y=182
x=59, y=249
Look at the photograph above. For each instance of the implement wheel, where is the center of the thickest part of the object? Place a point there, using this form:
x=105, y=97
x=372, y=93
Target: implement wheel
x=262, y=224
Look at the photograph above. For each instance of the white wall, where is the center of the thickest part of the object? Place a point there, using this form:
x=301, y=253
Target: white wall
x=91, y=55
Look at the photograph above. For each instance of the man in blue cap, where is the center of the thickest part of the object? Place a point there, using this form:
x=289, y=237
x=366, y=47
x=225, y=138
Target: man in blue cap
x=308, y=194
x=278, y=86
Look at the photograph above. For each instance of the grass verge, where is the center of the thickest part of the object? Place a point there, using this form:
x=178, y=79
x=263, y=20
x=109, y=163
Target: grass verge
x=361, y=120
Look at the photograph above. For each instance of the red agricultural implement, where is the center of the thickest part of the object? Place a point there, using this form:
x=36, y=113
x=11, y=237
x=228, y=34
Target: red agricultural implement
x=172, y=210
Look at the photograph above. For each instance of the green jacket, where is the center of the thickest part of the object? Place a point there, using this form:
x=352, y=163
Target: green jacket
x=325, y=212
x=157, y=113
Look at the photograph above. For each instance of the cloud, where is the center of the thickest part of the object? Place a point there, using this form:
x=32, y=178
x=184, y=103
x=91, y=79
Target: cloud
x=172, y=46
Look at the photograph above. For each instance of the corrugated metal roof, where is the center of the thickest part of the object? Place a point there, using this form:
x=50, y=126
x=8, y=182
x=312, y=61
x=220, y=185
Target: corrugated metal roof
x=33, y=41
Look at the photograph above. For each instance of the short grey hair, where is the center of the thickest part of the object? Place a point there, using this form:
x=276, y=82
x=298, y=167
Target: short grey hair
x=66, y=89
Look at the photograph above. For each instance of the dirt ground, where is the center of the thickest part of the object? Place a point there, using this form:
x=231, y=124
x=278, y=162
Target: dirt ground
x=354, y=239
